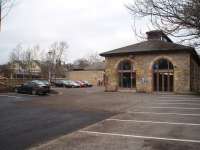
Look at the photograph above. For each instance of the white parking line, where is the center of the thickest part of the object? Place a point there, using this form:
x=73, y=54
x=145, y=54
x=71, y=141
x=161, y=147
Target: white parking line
x=155, y=113
x=139, y=137
x=179, y=96
x=155, y=122
x=9, y=96
x=178, y=100
x=168, y=107
x=177, y=103
x=188, y=98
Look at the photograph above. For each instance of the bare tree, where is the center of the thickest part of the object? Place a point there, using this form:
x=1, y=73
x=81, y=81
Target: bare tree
x=28, y=60
x=16, y=53
x=15, y=57
x=81, y=63
x=24, y=58
x=56, y=57
x=179, y=18
x=94, y=58
x=5, y=7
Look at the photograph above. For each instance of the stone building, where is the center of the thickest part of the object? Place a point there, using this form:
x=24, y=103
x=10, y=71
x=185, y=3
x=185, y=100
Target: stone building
x=157, y=65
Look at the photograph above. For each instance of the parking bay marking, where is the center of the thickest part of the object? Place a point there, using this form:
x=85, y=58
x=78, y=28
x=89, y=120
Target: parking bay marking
x=184, y=98
x=177, y=103
x=10, y=96
x=168, y=107
x=178, y=100
x=155, y=113
x=155, y=122
x=139, y=137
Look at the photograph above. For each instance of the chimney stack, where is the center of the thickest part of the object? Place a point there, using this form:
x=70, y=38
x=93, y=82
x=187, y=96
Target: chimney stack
x=158, y=35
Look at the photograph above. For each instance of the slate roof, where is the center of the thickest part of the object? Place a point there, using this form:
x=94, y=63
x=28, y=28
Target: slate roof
x=149, y=46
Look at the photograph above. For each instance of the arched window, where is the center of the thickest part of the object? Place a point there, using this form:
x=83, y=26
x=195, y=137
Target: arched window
x=163, y=75
x=163, y=64
x=127, y=75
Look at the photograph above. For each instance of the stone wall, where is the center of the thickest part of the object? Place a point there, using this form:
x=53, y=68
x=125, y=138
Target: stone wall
x=91, y=76
x=143, y=64
x=194, y=75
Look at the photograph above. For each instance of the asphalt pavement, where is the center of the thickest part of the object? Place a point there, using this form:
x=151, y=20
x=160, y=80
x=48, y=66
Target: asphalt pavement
x=23, y=126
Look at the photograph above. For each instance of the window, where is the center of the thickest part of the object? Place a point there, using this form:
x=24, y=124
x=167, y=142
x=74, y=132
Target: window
x=127, y=75
x=162, y=64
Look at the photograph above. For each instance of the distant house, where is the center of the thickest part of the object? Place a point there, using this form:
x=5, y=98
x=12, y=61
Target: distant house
x=93, y=73
x=32, y=70
x=156, y=64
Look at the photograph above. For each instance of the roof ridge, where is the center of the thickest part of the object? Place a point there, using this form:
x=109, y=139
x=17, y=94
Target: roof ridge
x=148, y=46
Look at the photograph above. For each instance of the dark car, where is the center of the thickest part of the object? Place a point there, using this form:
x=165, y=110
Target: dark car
x=58, y=83
x=32, y=87
x=47, y=83
x=63, y=83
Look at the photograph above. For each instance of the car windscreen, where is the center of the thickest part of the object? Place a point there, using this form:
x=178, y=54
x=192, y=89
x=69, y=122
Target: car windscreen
x=38, y=82
x=45, y=82
x=72, y=82
x=65, y=81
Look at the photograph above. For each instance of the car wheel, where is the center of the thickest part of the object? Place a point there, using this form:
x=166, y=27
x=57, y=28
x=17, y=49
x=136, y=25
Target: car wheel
x=34, y=92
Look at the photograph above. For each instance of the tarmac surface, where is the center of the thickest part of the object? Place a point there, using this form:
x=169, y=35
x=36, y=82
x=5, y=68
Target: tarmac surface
x=90, y=118
x=23, y=126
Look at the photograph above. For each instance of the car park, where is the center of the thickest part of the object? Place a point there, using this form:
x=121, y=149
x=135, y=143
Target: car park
x=32, y=87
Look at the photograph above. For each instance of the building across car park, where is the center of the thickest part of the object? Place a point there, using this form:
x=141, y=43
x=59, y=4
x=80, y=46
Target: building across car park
x=93, y=73
x=156, y=64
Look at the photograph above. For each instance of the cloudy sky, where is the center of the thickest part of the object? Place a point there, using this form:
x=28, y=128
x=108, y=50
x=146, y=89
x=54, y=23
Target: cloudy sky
x=87, y=26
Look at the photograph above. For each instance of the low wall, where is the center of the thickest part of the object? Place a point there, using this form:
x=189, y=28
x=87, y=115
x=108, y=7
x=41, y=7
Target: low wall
x=91, y=76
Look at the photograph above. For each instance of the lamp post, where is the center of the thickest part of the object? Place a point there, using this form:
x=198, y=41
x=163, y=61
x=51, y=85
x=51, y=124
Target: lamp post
x=0, y=14
x=50, y=55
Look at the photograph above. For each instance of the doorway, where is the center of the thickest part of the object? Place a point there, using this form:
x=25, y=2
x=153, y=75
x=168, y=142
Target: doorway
x=163, y=76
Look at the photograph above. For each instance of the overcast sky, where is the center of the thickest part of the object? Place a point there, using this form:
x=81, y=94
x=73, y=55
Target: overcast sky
x=87, y=26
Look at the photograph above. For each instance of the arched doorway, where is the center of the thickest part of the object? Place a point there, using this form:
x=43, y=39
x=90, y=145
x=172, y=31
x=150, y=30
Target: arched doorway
x=163, y=76
x=127, y=74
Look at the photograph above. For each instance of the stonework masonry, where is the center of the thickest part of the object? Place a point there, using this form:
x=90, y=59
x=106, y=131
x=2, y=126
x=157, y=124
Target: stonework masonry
x=144, y=75
x=194, y=75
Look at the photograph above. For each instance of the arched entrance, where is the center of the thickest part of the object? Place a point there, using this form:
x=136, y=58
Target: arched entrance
x=127, y=74
x=163, y=76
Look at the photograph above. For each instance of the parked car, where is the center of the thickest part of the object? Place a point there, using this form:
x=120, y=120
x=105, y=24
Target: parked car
x=32, y=87
x=62, y=83
x=81, y=84
x=88, y=84
x=47, y=84
x=74, y=84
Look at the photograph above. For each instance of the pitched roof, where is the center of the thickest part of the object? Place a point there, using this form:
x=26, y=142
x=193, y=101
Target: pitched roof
x=148, y=46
